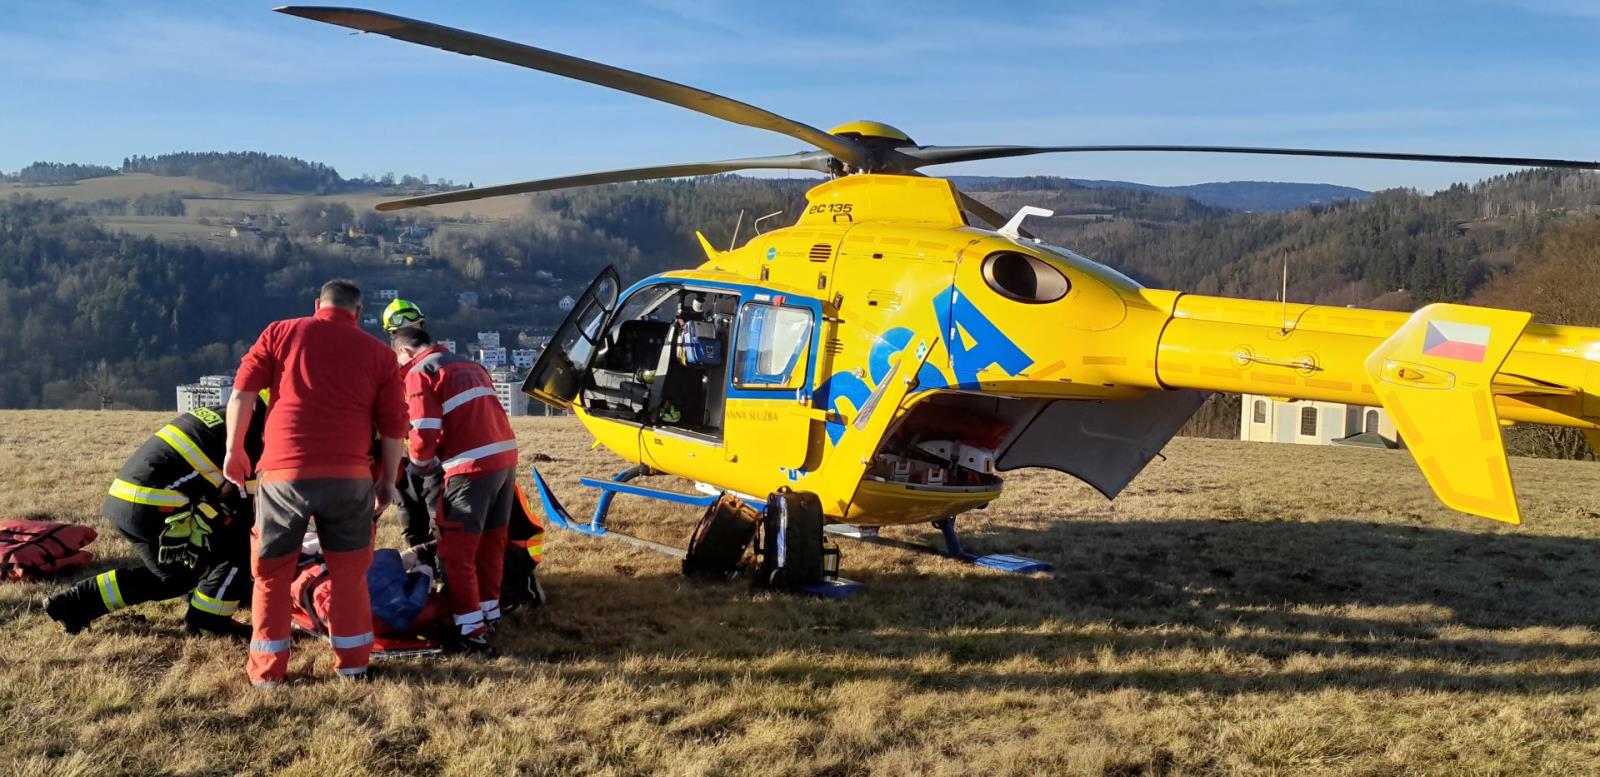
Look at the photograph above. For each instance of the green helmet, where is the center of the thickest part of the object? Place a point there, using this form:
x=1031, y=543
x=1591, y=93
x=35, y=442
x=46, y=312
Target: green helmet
x=401, y=314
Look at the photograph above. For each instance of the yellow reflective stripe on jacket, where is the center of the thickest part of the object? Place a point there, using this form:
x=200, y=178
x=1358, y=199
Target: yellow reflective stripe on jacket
x=137, y=494
x=191, y=453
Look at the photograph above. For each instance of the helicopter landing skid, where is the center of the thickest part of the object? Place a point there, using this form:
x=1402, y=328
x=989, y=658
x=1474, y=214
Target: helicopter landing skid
x=1001, y=562
x=837, y=588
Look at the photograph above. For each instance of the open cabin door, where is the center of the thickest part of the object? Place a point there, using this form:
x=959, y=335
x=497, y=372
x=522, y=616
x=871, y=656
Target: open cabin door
x=769, y=414
x=557, y=376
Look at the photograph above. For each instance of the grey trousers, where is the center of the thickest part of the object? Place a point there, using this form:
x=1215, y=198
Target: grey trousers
x=341, y=507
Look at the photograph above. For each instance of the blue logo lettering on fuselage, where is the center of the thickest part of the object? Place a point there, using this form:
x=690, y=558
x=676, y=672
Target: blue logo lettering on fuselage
x=990, y=347
x=772, y=253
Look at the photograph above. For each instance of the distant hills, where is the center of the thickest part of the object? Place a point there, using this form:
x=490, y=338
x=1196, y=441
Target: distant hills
x=272, y=173
x=1252, y=196
x=250, y=171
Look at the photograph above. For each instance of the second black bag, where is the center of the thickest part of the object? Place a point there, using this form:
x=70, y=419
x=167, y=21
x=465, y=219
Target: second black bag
x=791, y=540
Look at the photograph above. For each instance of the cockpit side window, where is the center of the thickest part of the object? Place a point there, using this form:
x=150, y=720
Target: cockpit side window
x=773, y=344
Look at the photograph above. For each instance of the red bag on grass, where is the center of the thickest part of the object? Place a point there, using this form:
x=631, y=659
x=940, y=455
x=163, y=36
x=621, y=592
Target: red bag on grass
x=30, y=550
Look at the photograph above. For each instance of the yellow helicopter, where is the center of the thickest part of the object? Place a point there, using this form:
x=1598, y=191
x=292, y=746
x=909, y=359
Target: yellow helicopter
x=891, y=356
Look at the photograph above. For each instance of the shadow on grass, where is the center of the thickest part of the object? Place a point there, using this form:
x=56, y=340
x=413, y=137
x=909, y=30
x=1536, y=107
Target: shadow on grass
x=1218, y=606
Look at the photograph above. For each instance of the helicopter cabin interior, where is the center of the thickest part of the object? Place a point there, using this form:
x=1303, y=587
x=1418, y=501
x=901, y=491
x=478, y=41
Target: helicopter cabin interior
x=662, y=360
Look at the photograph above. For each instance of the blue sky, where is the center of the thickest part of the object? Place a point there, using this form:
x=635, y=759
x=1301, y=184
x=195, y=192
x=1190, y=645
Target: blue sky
x=96, y=81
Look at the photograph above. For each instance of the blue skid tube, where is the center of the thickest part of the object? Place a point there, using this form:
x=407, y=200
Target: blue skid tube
x=1020, y=565
x=596, y=527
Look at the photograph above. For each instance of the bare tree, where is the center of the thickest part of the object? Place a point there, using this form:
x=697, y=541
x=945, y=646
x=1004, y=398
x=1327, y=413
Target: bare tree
x=103, y=385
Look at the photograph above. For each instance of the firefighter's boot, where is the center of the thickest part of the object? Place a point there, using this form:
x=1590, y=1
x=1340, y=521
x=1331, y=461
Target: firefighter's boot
x=76, y=607
x=200, y=623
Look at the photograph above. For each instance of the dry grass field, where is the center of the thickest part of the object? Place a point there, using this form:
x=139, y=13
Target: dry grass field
x=1242, y=609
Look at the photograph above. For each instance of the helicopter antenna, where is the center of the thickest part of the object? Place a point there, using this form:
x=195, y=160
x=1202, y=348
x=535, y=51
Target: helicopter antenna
x=756, y=225
x=734, y=241
x=1283, y=295
x=1013, y=226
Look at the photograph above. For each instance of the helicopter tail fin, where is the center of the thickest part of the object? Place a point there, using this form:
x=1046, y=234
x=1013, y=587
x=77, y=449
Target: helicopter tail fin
x=1435, y=376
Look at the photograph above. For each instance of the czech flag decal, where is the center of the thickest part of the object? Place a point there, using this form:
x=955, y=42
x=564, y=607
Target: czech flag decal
x=1454, y=340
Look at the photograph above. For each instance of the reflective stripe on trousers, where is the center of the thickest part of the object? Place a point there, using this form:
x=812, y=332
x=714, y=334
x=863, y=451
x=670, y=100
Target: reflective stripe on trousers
x=270, y=645
x=110, y=592
x=204, y=603
x=351, y=642
x=470, y=622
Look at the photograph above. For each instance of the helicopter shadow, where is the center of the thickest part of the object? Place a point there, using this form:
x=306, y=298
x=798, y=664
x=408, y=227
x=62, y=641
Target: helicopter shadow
x=1174, y=604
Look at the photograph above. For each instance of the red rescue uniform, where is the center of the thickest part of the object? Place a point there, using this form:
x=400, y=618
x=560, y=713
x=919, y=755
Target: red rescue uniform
x=331, y=385
x=460, y=433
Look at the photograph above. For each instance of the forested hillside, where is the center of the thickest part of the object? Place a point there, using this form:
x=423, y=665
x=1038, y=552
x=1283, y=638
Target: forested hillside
x=91, y=315
x=249, y=171
x=57, y=173
x=1258, y=196
x=1434, y=247
x=100, y=317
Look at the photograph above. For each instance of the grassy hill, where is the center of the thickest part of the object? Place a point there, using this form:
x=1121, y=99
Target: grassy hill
x=116, y=187
x=1243, y=609
x=208, y=199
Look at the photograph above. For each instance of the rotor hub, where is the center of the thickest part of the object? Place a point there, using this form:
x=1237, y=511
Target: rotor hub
x=876, y=130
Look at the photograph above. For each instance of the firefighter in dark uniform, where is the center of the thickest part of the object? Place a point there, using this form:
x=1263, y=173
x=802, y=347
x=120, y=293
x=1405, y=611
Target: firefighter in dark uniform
x=189, y=526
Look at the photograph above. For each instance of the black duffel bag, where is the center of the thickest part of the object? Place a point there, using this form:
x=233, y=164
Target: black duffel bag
x=721, y=541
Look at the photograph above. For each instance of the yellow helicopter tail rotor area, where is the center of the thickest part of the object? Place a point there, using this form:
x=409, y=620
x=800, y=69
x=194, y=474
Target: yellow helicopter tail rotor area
x=1436, y=376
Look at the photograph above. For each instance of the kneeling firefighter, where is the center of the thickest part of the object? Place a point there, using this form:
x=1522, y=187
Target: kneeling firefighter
x=189, y=527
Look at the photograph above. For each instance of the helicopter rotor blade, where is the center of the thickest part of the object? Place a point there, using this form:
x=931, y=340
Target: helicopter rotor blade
x=475, y=45
x=943, y=155
x=978, y=208
x=816, y=161
x=992, y=217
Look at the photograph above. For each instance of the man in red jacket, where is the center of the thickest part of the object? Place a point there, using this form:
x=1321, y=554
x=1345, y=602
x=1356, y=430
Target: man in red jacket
x=462, y=445
x=331, y=385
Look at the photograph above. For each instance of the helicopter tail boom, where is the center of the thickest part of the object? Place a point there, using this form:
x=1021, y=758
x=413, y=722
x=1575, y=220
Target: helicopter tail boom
x=1449, y=375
